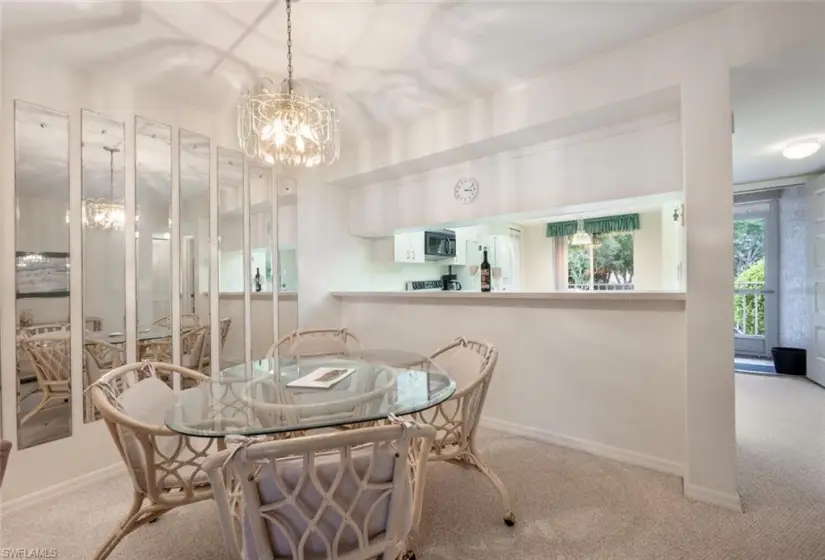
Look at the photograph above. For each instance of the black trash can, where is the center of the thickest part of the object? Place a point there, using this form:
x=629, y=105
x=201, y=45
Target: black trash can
x=790, y=361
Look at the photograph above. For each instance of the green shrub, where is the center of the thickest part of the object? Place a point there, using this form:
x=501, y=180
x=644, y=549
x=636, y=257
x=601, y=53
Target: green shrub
x=747, y=308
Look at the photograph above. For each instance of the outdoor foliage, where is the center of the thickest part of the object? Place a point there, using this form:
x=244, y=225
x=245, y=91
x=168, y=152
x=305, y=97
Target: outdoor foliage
x=748, y=244
x=613, y=260
x=748, y=307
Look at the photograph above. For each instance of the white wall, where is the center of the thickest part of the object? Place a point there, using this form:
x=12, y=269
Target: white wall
x=673, y=249
x=539, y=256
x=607, y=378
x=647, y=252
x=794, y=319
x=637, y=158
x=693, y=61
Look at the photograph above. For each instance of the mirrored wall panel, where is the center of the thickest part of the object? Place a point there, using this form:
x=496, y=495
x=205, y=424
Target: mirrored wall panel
x=102, y=216
x=43, y=262
x=153, y=243
x=233, y=266
x=287, y=256
x=263, y=275
x=193, y=153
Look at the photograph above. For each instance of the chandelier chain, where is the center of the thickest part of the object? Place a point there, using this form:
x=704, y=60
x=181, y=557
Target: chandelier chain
x=289, y=42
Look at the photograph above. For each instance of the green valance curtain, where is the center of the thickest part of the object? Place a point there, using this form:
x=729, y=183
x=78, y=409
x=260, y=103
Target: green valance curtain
x=607, y=224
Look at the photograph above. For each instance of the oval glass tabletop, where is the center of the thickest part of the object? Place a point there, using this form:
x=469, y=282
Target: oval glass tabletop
x=291, y=394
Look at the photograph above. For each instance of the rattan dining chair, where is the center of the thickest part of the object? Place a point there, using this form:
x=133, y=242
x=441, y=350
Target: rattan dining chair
x=165, y=467
x=353, y=495
x=456, y=420
x=314, y=342
x=50, y=356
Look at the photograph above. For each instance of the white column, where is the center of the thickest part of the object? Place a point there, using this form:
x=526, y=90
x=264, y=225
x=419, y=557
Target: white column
x=710, y=473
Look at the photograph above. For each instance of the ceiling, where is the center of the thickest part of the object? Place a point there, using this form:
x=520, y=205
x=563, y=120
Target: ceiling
x=776, y=101
x=381, y=62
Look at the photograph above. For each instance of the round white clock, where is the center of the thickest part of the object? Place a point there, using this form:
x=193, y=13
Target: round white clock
x=466, y=190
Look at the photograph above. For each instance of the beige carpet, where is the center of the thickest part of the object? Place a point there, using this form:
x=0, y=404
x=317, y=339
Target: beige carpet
x=569, y=505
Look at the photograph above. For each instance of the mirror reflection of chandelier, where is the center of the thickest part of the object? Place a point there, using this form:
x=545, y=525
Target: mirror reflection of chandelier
x=104, y=213
x=286, y=124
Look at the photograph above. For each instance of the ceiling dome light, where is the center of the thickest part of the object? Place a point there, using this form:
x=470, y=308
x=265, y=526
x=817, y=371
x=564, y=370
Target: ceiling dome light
x=801, y=149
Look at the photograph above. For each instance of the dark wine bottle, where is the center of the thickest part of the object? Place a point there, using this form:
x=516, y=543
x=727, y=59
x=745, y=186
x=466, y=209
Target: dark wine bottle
x=257, y=279
x=485, y=273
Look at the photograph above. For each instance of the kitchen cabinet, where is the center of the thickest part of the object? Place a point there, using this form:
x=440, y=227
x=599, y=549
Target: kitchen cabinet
x=402, y=248
x=409, y=247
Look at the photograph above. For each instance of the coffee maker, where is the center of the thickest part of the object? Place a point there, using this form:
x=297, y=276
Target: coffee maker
x=449, y=281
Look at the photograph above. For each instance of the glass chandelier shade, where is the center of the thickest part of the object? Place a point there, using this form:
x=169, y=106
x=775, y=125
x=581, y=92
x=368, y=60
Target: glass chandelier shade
x=286, y=123
x=103, y=213
x=581, y=237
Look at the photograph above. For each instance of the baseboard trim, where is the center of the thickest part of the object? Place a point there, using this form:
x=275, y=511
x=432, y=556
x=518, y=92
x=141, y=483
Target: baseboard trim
x=707, y=495
x=36, y=498
x=594, y=448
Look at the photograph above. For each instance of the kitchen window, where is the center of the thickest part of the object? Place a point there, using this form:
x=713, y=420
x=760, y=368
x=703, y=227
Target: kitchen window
x=606, y=263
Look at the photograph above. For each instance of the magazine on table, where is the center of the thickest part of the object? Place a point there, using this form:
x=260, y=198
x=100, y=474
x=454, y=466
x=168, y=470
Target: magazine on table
x=321, y=378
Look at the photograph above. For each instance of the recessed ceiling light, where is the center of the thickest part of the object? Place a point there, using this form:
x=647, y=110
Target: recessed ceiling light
x=801, y=149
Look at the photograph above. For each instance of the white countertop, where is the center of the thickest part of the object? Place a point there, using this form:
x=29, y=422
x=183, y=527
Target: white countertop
x=479, y=297
x=282, y=296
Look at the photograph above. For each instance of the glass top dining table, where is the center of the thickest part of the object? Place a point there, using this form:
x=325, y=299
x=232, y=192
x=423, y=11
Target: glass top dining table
x=261, y=397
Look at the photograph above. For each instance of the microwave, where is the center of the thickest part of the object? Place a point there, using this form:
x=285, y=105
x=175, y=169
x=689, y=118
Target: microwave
x=439, y=244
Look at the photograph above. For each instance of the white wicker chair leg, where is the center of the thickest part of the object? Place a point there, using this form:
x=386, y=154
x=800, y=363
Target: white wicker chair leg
x=125, y=527
x=475, y=460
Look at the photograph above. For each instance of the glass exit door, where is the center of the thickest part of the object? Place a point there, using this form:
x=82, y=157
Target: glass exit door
x=755, y=278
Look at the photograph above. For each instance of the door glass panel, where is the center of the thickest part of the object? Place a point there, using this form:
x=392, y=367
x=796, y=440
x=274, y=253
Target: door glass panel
x=153, y=191
x=43, y=344
x=104, y=263
x=749, y=276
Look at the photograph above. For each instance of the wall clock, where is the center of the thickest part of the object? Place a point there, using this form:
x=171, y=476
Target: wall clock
x=466, y=190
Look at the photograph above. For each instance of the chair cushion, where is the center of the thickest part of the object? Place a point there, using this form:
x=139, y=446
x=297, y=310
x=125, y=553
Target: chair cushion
x=147, y=402
x=346, y=496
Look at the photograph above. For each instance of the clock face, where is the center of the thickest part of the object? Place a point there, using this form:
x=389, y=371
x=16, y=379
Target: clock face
x=466, y=190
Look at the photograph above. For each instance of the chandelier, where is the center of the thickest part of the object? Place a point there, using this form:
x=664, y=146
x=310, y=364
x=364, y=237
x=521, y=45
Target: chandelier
x=103, y=213
x=285, y=123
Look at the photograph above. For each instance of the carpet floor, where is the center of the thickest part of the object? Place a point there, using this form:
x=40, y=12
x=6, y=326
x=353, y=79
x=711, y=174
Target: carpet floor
x=569, y=505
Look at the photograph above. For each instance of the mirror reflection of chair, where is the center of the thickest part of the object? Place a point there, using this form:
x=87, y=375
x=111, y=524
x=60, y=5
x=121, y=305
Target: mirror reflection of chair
x=472, y=365
x=315, y=342
x=224, y=325
x=98, y=357
x=369, y=508
x=165, y=467
x=187, y=321
x=50, y=357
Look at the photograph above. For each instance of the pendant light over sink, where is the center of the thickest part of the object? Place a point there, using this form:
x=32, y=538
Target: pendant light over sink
x=581, y=237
